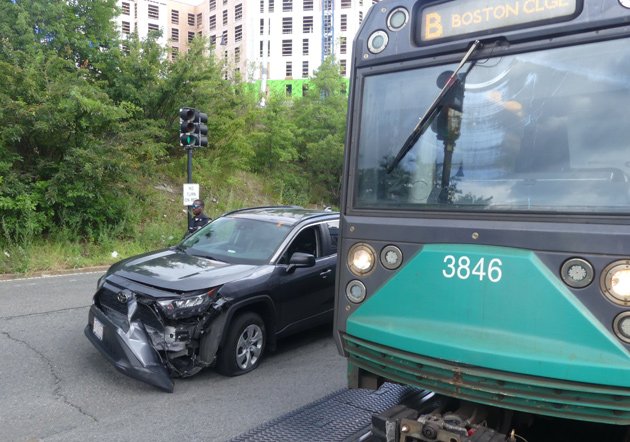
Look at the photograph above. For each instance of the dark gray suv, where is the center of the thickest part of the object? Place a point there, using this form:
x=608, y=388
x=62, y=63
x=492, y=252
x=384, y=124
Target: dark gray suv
x=221, y=297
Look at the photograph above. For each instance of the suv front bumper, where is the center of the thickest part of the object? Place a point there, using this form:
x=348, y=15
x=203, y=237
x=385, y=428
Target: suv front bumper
x=130, y=351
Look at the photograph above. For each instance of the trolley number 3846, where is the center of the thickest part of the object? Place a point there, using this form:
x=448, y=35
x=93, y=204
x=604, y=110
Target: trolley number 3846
x=464, y=268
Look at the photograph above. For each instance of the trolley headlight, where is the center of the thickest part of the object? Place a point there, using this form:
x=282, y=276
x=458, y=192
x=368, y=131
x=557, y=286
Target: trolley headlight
x=621, y=326
x=397, y=19
x=355, y=291
x=361, y=259
x=615, y=282
x=377, y=42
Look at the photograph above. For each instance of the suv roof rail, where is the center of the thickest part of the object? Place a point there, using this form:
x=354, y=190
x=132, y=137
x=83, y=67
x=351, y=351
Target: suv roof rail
x=261, y=207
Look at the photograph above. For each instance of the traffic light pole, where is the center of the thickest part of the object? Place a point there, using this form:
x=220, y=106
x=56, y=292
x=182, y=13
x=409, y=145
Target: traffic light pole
x=189, y=150
x=193, y=132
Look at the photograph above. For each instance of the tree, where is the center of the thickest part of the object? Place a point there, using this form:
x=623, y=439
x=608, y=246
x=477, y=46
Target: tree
x=321, y=119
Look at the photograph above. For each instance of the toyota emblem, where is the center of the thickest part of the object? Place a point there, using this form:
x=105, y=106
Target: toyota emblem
x=124, y=296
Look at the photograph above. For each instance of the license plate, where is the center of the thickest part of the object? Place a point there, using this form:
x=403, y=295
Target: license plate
x=97, y=328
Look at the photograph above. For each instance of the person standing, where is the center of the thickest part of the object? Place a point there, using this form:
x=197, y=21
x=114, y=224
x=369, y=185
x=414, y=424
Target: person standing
x=199, y=218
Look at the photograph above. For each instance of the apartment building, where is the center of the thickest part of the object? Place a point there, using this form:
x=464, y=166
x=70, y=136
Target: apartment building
x=279, y=43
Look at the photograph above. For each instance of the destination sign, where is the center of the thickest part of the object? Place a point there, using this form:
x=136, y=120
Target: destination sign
x=457, y=18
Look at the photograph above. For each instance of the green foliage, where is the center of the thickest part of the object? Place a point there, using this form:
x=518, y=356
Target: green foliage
x=90, y=128
x=321, y=119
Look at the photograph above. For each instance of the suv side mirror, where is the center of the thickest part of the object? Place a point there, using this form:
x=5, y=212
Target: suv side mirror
x=299, y=259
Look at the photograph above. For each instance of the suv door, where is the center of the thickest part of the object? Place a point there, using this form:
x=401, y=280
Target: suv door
x=305, y=295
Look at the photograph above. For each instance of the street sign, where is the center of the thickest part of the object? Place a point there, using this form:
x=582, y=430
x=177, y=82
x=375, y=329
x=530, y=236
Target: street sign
x=191, y=193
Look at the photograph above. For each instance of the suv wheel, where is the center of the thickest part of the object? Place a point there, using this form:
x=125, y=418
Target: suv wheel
x=244, y=345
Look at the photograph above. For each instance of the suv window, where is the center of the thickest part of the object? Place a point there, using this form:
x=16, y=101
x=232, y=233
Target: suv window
x=333, y=230
x=305, y=242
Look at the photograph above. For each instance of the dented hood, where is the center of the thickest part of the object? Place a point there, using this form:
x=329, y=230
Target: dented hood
x=178, y=271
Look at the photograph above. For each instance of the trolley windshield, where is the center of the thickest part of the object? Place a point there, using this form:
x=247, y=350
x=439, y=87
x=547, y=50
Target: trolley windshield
x=542, y=131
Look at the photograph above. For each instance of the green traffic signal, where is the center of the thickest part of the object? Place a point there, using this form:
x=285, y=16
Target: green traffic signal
x=192, y=128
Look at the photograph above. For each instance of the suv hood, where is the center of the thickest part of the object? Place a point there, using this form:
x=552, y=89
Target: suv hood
x=177, y=271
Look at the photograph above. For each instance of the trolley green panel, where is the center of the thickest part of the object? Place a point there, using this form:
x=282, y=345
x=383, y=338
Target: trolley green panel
x=491, y=307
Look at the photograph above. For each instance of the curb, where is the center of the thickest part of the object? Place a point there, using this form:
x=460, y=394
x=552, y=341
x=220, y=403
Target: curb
x=44, y=273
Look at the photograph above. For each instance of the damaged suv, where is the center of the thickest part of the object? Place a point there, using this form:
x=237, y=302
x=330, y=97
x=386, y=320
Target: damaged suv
x=219, y=298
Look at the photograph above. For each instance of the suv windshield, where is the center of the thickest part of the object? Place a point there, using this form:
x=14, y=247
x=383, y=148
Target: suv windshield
x=542, y=131
x=237, y=240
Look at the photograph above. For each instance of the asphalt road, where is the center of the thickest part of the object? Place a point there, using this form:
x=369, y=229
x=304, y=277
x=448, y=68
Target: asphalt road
x=54, y=386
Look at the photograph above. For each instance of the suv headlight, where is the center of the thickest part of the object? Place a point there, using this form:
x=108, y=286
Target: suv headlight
x=187, y=306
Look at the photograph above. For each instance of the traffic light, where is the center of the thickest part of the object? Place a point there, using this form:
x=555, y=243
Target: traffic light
x=193, y=130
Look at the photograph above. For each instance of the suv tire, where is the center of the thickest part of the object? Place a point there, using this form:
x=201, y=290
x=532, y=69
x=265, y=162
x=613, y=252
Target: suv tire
x=244, y=345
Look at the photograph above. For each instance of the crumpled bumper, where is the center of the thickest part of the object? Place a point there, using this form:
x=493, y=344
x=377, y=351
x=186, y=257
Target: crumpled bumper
x=130, y=350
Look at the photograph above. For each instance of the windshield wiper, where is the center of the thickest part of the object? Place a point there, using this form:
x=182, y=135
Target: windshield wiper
x=204, y=255
x=432, y=111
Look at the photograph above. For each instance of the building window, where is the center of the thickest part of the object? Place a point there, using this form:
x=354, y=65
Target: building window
x=305, y=46
x=125, y=49
x=327, y=23
x=262, y=6
x=308, y=5
x=213, y=4
x=343, y=45
x=342, y=67
x=126, y=10
x=268, y=48
x=225, y=57
x=237, y=55
x=224, y=38
x=288, y=70
x=154, y=12
x=287, y=48
x=287, y=25
x=175, y=34
x=153, y=27
x=191, y=19
x=287, y=5
x=360, y=17
x=288, y=90
x=238, y=33
x=199, y=19
x=175, y=17
x=307, y=25
x=345, y=4
x=344, y=22
x=238, y=12
x=271, y=6
x=261, y=51
x=305, y=69
x=191, y=36
x=225, y=2
x=213, y=22
x=200, y=34
x=262, y=26
x=126, y=27
x=174, y=52
x=213, y=40
x=225, y=18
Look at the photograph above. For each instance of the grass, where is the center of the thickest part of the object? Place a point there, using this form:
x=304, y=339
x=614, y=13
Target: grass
x=163, y=224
